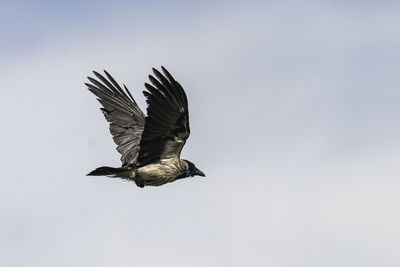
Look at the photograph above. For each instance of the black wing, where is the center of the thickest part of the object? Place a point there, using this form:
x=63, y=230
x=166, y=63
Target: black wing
x=124, y=115
x=167, y=123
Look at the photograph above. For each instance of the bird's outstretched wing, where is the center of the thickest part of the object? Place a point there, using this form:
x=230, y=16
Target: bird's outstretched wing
x=124, y=115
x=167, y=123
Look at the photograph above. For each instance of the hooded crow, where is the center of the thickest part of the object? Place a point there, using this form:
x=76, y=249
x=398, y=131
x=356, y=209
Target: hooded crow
x=150, y=145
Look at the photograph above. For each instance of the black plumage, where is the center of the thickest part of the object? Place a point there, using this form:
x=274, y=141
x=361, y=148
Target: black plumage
x=150, y=146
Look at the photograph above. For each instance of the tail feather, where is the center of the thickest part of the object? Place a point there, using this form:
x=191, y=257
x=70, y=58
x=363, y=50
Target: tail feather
x=108, y=171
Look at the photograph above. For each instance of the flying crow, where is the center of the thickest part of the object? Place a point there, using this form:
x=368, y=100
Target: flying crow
x=150, y=145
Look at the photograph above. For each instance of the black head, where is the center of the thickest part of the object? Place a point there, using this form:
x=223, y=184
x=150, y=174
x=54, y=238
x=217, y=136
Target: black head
x=193, y=170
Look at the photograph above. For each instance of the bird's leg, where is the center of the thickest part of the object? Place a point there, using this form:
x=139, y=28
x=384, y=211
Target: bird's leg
x=139, y=184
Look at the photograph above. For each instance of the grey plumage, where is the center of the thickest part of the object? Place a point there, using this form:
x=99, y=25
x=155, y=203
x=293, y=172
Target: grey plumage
x=150, y=146
x=124, y=115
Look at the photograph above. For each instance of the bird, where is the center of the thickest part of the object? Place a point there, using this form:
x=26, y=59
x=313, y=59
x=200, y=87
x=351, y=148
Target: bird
x=150, y=146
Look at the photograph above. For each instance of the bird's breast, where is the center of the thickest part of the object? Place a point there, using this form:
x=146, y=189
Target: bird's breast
x=159, y=173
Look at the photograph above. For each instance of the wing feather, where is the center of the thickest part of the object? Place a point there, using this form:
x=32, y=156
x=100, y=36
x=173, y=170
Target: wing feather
x=167, y=123
x=121, y=111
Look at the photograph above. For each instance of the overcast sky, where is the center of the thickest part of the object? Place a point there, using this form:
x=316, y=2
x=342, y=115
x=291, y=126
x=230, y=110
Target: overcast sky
x=294, y=112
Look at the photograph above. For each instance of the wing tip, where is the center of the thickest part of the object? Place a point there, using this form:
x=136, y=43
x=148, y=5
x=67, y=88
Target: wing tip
x=156, y=72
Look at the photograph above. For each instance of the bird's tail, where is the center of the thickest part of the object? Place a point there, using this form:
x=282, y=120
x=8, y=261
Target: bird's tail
x=111, y=172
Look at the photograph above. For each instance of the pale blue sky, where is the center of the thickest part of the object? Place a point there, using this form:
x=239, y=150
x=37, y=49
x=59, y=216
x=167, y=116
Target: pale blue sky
x=294, y=113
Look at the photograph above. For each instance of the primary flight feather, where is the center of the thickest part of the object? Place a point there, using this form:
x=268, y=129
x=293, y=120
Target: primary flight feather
x=150, y=146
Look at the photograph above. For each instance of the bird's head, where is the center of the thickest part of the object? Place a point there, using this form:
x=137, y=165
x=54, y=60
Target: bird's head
x=192, y=171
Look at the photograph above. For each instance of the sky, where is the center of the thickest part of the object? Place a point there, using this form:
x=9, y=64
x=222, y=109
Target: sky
x=294, y=111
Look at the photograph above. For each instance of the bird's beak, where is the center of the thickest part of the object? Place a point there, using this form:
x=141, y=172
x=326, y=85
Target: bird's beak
x=199, y=173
